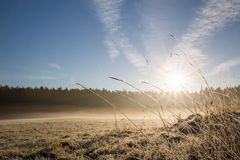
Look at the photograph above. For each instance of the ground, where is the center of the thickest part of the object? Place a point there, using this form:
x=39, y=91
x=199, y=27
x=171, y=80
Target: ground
x=196, y=137
x=60, y=138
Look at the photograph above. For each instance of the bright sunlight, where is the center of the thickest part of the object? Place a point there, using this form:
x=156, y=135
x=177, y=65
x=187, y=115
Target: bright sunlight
x=175, y=81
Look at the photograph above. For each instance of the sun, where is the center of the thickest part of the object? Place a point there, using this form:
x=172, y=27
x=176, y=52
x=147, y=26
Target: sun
x=176, y=76
x=175, y=81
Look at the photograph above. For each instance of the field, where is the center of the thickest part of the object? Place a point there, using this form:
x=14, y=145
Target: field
x=204, y=125
x=65, y=138
x=216, y=136
x=131, y=125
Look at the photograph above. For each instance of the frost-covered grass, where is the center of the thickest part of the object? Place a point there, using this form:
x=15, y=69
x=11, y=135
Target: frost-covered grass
x=213, y=136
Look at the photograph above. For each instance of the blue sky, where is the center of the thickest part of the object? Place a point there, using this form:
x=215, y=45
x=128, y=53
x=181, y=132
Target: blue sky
x=58, y=42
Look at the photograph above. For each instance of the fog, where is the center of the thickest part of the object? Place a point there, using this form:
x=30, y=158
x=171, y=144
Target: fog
x=45, y=112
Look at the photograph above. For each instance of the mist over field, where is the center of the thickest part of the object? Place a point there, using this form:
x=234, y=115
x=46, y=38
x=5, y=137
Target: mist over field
x=44, y=123
x=22, y=103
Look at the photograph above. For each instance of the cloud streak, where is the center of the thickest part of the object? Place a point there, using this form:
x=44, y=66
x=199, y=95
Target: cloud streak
x=225, y=66
x=55, y=66
x=116, y=42
x=214, y=15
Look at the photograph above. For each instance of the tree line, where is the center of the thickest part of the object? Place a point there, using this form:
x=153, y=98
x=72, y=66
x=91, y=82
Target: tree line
x=82, y=97
x=60, y=96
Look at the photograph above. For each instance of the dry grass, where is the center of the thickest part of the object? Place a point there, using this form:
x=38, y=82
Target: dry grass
x=213, y=136
x=212, y=131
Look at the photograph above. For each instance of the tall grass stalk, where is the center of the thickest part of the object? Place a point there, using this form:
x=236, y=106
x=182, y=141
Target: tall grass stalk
x=151, y=97
x=195, y=67
x=116, y=108
x=140, y=105
x=186, y=106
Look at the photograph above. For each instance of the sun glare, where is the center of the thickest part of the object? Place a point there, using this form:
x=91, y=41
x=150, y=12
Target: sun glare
x=175, y=81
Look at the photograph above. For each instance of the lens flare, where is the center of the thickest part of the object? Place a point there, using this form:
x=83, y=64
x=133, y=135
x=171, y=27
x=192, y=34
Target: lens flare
x=175, y=81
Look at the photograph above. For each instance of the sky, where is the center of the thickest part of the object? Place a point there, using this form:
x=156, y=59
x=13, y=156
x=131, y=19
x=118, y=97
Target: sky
x=56, y=43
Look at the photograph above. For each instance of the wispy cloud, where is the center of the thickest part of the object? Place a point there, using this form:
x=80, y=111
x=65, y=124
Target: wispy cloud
x=109, y=13
x=55, y=66
x=112, y=49
x=225, y=66
x=41, y=77
x=214, y=15
x=116, y=42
